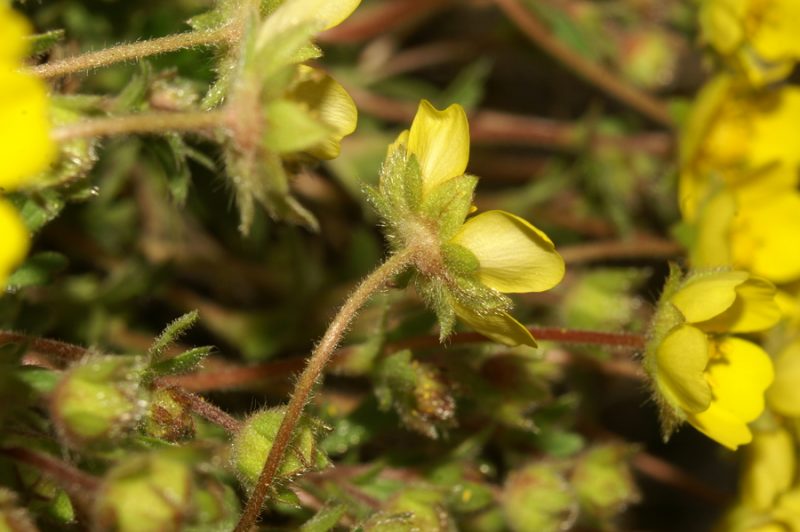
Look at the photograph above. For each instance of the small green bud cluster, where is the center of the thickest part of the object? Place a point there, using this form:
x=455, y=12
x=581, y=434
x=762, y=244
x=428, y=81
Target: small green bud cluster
x=168, y=417
x=13, y=518
x=417, y=391
x=590, y=489
x=163, y=491
x=99, y=400
x=413, y=508
x=252, y=444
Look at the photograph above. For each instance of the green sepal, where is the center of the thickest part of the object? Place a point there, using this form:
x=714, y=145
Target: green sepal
x=133, y=96
x=449, y=203
x=280, y=50
x=76, y=156
x=291, y=128
x=437, y=296
x=459, y=260
x=401, y=183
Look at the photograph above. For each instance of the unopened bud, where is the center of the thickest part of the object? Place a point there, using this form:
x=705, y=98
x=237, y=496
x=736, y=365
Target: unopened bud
x=603, y=482
x=253, y=442
x=168, y=418
x=99, y=400
x=145, y=493
x=537, y=498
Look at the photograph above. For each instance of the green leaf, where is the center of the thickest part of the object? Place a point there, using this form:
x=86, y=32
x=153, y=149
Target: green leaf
x=182, y=363
x=37, y=270
x=469, y=86
x=42, y=42
x=171, y=334
x=327, y=518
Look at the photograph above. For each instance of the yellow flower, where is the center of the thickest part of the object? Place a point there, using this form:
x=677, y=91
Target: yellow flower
x=759, y=37
x=740, y=162
x=714, y=381
x=25, y=145
x=758, y=236
x=504, y=253
x=784, y=395
x=770, y=466
x=739, y=139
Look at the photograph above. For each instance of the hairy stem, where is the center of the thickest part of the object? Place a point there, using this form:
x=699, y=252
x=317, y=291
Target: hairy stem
x=61, y=350
x=310, y=375
x=140, y=123
x=206, y=410
x=589, y=71
x=134, y=51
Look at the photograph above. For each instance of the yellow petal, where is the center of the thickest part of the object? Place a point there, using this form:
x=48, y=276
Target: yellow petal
x=14, y=238
x=712, y=246
x=330, y=103
x=739, y=376
x=322, y=14
x=776, y=37
x=721, y=426
x=769, y=468
x=721, y=23
x=514, y=255
x=25, y=145
x=13, y=28
x=502, y=328
x=754, y=309
x=706, y=296
x=440, y=142
x=681, y=360
x=763, y=238
x=401, y=140
x=784, y=394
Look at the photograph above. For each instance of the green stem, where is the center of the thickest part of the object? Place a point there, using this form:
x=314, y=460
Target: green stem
x=310, y=375
x=140, y=123
x=134, y=51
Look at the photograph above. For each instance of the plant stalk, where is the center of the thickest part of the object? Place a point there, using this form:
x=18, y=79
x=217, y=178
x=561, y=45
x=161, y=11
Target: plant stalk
x=140, y=123
x=134, y=51
x=310, y=375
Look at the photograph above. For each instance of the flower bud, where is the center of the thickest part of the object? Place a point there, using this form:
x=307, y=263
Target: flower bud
x=145, y=493
x=537, y=498
x=418, y=508
x=98, y=400
x=603, y=483
x=417, y=391
x=168, y=418
x=13, y=518
x=215, y=506
x=253, y=442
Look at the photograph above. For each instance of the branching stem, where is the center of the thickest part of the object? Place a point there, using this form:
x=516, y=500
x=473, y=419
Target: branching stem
x=135, y=50
x=310, y=375
x=140, y=123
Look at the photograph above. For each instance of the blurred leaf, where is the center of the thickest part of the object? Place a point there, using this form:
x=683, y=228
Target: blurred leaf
x=37, y=270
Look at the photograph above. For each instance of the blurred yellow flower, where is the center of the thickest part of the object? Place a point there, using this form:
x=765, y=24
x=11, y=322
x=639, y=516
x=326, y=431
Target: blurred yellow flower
x=784, y=395
x=701, y=375
x=758, y=37
x=510, y=254
x=25, y=145
x=740, y=163
x=740, y=139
